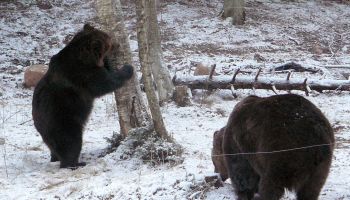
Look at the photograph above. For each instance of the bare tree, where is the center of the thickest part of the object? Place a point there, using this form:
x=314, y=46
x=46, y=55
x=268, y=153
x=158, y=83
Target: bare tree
x=234, y=9
x=146, y=60
x=160, y=73
x=131, y=108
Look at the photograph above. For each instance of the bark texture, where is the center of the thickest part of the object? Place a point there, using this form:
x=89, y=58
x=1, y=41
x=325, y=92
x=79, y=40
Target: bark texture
x=132, y=111
x=160, y=74
x=234, y=9
x=146, y=63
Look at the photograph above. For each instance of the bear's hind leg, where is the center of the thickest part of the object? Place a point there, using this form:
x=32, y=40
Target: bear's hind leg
x=311, y=189
x=68, y=143
x=70, y=153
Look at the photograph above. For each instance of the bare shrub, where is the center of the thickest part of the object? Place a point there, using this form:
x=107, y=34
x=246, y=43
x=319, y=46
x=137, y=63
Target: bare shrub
x=147, y=146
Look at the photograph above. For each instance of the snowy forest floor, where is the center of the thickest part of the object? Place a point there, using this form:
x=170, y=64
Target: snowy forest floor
x=314, y=34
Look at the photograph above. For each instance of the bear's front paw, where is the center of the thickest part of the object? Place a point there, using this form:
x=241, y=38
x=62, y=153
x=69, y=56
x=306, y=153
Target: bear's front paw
x=127, y=71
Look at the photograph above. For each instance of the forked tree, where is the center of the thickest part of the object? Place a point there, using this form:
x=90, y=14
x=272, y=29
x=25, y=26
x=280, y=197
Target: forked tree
x=149, y=54
x=132, y=111
x=131, y=108
x=160, y=73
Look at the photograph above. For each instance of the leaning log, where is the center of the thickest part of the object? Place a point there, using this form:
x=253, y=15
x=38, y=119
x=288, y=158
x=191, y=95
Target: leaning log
x=244, y=82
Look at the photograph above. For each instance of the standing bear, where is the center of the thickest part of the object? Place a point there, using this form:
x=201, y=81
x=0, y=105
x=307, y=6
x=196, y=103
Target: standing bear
x=272, y=144
x=64, y=97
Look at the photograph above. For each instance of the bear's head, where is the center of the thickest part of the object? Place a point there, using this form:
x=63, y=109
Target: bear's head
x=92, y=46
x=217, y=154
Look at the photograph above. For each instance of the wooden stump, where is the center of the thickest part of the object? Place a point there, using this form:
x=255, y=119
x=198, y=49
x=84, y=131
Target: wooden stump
x=182, y=96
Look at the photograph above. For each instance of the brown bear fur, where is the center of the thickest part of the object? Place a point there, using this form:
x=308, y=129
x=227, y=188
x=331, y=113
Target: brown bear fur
x=63, y=98
x=271, y=124
x=218, y=161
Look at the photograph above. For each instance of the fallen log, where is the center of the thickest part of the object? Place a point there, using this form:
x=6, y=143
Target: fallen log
x=245, y=82
x=295, y=67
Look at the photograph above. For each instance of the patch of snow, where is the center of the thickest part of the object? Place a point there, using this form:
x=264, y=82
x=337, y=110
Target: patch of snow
x=190, y=33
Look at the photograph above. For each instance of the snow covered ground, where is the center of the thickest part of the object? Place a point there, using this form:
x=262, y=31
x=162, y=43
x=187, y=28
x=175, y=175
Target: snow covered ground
x=314, y=34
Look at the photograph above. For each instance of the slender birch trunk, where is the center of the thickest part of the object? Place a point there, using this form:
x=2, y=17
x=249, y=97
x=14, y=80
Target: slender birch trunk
x=146, y=63
x=160, y=73
x=131, y=108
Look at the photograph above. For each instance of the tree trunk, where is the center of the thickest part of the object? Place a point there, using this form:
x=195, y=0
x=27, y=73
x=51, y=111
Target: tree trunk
x=234, y=9
x=132, y=111
x=244, y=82
x=160, y=74
x=146, y=63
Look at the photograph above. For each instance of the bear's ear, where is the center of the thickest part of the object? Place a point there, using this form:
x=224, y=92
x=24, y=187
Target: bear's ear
x=88, y=27
x=215, y=133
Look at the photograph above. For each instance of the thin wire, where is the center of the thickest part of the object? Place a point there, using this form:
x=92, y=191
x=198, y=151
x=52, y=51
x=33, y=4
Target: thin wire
x=277, y=151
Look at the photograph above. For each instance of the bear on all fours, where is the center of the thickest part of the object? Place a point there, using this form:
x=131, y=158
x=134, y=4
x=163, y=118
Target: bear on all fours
x=64, y=97
x=272, y=144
